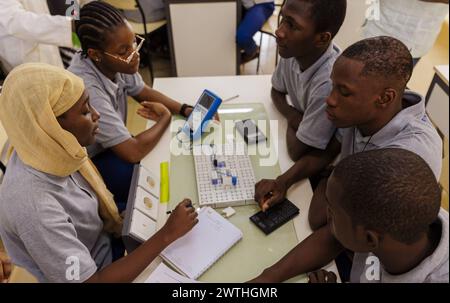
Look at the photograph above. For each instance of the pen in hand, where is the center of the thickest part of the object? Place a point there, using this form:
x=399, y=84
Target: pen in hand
x=169, y=212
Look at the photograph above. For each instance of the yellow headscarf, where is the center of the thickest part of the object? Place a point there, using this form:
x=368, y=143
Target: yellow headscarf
x=33, y=95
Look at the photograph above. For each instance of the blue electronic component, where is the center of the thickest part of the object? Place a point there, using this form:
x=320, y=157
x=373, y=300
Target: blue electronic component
x=203, y=112
x=214, y=178
x=220, y=174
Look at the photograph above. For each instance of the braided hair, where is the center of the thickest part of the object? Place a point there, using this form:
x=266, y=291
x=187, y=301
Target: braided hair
x=96, y=20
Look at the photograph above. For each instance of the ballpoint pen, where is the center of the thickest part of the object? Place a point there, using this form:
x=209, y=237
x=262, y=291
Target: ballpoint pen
x=169, y=212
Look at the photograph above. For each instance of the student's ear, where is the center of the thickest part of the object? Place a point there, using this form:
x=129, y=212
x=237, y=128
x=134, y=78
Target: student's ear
x=372, y=240
x=323, y=39
x=95, y=55
x=387, y=97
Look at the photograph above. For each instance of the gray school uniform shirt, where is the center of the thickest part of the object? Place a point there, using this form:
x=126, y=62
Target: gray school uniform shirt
x=308, y=91
x=109, y=98
x=366, y=268
x=50, y=225
x=410, y=129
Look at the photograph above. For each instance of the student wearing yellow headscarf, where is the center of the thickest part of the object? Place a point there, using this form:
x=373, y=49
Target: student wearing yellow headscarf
x=56, y=214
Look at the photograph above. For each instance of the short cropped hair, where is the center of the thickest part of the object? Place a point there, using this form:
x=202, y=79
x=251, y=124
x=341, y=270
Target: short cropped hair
x=392, y=191
x=383, y=57
x=328, y=15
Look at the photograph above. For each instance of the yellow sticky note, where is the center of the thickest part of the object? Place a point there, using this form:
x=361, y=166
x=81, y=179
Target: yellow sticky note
x=164, y=186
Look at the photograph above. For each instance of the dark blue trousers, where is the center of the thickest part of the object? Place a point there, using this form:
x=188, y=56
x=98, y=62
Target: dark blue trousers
x=117, y=175
x=252, y=22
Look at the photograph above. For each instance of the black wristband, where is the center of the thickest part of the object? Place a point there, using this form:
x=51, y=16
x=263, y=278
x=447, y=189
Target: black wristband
x=183, y=109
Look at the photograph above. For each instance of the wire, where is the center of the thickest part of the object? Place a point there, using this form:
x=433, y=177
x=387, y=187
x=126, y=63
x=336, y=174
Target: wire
x=183, y=143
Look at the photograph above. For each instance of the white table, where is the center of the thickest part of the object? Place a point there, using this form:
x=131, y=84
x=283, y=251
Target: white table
x=251, y=89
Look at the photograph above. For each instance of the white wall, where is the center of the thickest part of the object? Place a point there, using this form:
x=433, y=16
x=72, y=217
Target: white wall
x=351, y=30
x=204, y=38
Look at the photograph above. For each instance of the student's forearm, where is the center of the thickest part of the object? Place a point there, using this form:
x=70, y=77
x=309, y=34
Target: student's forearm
x=135, y=149
x=129, y=267
x=280, y=102
x=148, y=139
x=310, y=164
x=149, y=94
x=296, y=148
x=316, y=251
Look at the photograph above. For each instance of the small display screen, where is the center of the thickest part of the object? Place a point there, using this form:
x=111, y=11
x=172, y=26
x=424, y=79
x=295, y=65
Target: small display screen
x=206, y=101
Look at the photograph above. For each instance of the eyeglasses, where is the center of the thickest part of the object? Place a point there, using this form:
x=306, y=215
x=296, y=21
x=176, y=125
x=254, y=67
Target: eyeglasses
x=131, y=56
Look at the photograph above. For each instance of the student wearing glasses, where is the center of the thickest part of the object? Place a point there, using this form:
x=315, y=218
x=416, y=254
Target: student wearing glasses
x=109, y=64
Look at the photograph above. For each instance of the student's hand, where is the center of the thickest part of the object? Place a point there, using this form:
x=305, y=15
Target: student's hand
x=261, y=279
x=153, y=111
x=182, y=220
x=269, y=193
x=216, y=117
x=5, y=268
x=189, y=110
x=322, y=276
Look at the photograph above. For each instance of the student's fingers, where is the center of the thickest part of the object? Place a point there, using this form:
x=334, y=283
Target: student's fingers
x=321, y=276
x=259, y=191
x=7, y=268
x=275, y=199
x=262, y=189
x=193, y=215
x=153, y=108
x=188, y=111
x=159, y=109
x=2, y=272
x=148, y=104
x=190, y=210
x=145, y=110
x=331, y=277
x=143, y=114
x=312, y=277
x=147, y=114
x=185, y=203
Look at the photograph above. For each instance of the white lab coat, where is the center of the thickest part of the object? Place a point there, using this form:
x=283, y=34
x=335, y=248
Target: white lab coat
x=28, y=33
x=416, y=23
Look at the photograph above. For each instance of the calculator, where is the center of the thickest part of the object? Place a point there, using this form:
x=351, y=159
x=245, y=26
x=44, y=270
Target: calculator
x=275, y=216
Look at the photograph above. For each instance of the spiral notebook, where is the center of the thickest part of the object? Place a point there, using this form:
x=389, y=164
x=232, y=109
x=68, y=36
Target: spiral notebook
x=206, y=243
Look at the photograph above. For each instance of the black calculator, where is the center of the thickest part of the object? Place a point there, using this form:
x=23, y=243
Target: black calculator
x=275, y=216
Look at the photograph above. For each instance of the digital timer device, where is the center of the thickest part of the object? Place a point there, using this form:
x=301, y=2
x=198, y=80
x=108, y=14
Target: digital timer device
x=203, y=112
